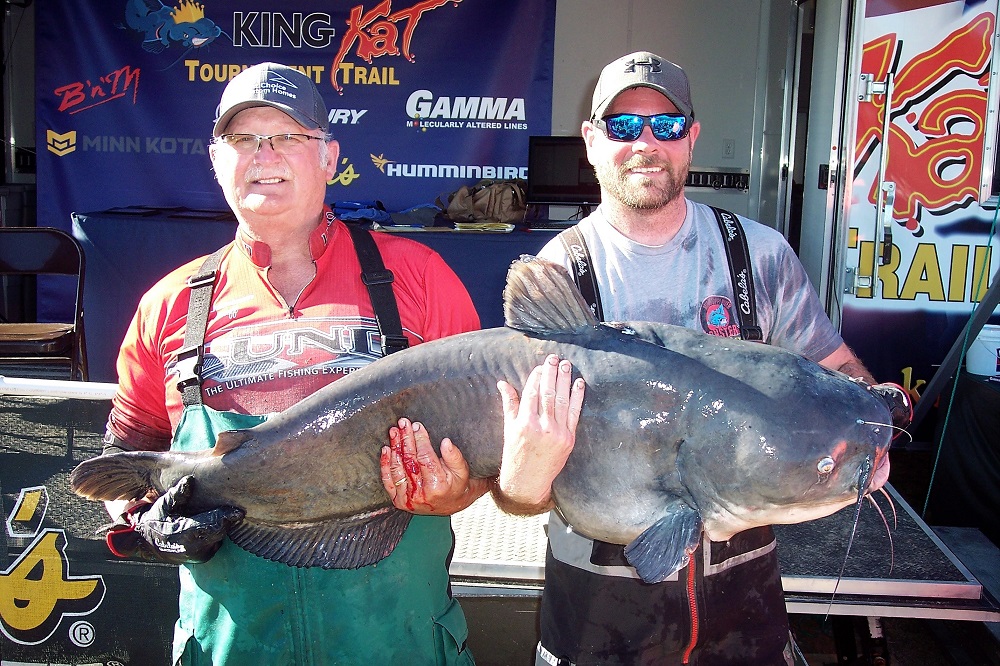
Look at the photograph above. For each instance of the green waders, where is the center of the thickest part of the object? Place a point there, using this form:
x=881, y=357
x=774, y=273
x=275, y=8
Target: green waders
x=241, y=609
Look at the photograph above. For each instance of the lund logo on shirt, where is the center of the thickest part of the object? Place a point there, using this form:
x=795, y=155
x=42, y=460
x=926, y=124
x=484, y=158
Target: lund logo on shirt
x=251, y=355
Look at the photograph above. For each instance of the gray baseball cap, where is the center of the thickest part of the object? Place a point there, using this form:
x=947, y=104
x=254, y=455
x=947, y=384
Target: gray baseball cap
x=274, y=85
x=642, y=69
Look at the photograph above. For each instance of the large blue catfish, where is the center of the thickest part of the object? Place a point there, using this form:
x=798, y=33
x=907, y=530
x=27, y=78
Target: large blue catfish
x=680, y=433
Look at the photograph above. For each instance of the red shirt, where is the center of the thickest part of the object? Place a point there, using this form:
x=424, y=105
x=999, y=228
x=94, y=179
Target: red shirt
x=260, y=356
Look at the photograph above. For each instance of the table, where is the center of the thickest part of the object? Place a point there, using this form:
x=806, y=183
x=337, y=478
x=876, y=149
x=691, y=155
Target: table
x=129, y=249
x=905, y=572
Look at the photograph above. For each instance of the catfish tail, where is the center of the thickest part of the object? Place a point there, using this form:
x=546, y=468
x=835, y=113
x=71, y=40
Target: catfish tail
x=116, y=476
x=540, y=297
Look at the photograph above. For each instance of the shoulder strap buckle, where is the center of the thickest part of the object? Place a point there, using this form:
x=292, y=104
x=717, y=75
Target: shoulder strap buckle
x=201, y=280
x=393, y=343
x=377, y=277
x=189, y=366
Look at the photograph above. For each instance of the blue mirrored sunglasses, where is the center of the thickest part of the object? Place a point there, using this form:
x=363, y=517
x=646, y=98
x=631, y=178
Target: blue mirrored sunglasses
x=628, y=126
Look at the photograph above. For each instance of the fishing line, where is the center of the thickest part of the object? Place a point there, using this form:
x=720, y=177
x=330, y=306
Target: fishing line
x=958, y=367
x=887, y=425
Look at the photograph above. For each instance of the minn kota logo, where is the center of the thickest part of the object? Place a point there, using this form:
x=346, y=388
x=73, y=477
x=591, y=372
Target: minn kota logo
x=60, y=144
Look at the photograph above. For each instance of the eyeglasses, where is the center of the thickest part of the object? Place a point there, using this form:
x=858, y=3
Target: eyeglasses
x=283, y=144
x=628, y=126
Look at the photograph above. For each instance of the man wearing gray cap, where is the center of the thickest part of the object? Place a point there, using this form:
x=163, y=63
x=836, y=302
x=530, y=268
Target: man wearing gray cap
x=650, y=254
x=249, y=331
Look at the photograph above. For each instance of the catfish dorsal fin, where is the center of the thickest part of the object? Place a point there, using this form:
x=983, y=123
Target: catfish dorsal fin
x=230, y=440
x=540, y=297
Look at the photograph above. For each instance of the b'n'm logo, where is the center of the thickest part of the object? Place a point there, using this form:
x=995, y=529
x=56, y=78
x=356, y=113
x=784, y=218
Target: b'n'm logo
x=60, y=144
x=37, y=591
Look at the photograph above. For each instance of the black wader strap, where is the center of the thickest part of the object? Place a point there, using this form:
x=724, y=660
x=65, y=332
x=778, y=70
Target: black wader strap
x=583, y=273
x=192, y=354
x=740, y=271
x=379, y=279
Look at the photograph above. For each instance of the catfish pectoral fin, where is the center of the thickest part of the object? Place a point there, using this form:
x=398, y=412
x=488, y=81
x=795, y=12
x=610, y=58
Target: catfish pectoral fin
x=666, y=546
x=353, y=542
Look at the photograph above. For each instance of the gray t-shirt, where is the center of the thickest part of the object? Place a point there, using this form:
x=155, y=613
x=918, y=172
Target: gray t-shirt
x=686, y=281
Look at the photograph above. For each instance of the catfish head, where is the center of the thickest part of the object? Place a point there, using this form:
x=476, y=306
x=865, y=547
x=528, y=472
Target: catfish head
x=791, y=467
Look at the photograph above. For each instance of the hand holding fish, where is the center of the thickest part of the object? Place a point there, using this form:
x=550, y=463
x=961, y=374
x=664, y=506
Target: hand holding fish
x=539, y=434
x=418, y=481
x=158, y=531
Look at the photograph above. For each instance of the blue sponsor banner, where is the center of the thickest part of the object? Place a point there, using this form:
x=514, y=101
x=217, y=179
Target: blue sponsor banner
x=424, y=96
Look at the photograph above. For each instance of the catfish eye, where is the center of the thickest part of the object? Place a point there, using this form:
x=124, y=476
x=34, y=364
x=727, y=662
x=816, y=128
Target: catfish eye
x=826, y=465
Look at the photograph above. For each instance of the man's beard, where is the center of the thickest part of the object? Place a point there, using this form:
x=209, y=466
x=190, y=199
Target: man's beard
x=646, y=194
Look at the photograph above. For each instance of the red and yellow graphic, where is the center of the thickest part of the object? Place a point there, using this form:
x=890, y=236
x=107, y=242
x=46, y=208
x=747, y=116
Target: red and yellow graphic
x=938, y=121
x=375, y=34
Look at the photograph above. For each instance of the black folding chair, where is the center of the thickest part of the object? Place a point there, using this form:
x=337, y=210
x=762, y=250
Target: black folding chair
x=32, y=251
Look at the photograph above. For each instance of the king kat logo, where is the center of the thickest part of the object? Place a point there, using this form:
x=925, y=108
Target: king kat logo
x=376, y=34
x=37, y=591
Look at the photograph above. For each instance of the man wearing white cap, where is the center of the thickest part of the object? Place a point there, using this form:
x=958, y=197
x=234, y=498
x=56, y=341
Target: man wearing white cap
x=266, y=321
x=655, y=255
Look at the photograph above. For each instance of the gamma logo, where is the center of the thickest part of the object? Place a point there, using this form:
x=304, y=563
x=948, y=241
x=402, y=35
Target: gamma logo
x=60, y=144
x=37, y=591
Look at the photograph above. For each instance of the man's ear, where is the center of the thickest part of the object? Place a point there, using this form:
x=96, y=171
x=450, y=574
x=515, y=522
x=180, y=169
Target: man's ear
x=589, y=132
x=332, y=158
x=694, y=132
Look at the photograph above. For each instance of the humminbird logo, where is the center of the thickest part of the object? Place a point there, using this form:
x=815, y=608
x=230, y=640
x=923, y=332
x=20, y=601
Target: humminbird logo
x=463, y=171
x=652, y=63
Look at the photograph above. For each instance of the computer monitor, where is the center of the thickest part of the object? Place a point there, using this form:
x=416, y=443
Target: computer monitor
x=559, y=173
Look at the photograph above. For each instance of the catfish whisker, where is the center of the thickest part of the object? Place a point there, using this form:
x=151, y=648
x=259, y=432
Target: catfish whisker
x=892, y=504
x=888, y=531
x=863, y=477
